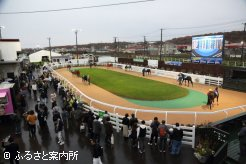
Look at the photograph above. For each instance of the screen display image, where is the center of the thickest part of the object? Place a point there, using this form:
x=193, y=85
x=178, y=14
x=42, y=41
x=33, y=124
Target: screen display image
x=207, y=49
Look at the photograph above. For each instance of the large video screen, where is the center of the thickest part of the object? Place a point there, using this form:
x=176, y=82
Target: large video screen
x=207, y=49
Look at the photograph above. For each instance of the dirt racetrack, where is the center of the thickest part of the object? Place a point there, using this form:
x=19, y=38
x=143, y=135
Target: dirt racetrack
x=227, y=99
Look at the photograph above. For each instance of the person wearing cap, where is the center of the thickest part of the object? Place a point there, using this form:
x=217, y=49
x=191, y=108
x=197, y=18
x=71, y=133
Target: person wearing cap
x=12, y=149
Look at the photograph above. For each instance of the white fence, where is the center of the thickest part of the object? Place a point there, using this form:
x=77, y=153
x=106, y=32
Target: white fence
x=189, y=132
x=202, y=79
x=116, y=120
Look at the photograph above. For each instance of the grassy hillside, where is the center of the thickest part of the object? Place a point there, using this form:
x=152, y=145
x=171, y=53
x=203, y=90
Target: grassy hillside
x=133, y=87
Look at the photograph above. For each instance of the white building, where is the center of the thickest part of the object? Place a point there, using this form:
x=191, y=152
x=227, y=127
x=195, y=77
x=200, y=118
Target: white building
x=10, y=64
x=42, y=56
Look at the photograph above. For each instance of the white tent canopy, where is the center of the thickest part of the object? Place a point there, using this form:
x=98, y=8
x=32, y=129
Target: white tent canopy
x=37, y=56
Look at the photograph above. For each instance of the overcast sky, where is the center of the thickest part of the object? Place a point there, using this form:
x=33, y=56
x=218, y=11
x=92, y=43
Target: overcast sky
x=129, y=22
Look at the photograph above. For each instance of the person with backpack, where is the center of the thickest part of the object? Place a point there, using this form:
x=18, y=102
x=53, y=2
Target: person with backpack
x=141, y=133
x=154, y=128
x=97, y=152
x=162, y=131
x=177, y=139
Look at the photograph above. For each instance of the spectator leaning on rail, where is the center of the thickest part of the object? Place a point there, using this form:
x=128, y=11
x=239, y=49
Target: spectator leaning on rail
x=177, y=139
x=163, y=131
x=154, y=131
x=242, y=140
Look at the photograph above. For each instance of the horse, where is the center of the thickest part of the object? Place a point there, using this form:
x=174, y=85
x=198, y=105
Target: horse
x=148, y=71
x=183, y=78
x=128, y=67
x=211, y=96
x=69, y=67
x=86, y=78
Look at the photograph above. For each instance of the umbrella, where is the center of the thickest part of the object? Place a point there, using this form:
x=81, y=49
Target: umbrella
x=47, y=79
x=8, y=79
x=57, y=108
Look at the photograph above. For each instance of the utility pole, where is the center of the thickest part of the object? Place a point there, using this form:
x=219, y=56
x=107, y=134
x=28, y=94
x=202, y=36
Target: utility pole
x=115, y=48
x=161, y=45
x=242, y=55
x=1, y=27
x=76, y=37
x=50, y=49
x=145, y=48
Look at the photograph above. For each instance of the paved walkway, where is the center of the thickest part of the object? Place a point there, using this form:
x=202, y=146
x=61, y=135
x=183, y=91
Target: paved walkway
x=121, y=153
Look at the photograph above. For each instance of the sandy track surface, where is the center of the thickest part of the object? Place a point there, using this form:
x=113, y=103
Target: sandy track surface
x=227, y=99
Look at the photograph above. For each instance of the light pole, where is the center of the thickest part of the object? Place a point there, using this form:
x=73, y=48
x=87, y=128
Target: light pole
x=242, y=44
x=76, y=37
x=1, y=27
x=50, y=48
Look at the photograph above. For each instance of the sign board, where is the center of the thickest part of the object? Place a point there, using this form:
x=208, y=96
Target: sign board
x=153, y=63
x=138, y=60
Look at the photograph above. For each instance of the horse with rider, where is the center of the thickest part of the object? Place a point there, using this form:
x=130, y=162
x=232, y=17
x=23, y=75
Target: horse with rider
x=212, y=95
x=183, y=78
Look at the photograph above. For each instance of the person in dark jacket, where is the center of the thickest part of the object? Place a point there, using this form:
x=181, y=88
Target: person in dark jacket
x=133, y=135
x=133, y=120
x=12, y=149
x=59, y=128
x=177, y=139
x=141, y=133
x=108, y=131
x=125, y=127
x=242, y=140
x=154, y=128
x=97, y=152
x=90, y=124
x=97, y=128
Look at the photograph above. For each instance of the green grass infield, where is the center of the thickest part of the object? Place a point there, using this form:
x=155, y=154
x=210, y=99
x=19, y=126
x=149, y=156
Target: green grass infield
x=132, y=87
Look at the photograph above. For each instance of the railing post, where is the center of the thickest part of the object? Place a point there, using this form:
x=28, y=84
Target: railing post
x=136, y=112
x=91, y=102
x=115, y=108
x=166, y=117
x=195, y=118
x=117, y=123
x=242, y=109
x=226, y=113
x=193, y=136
